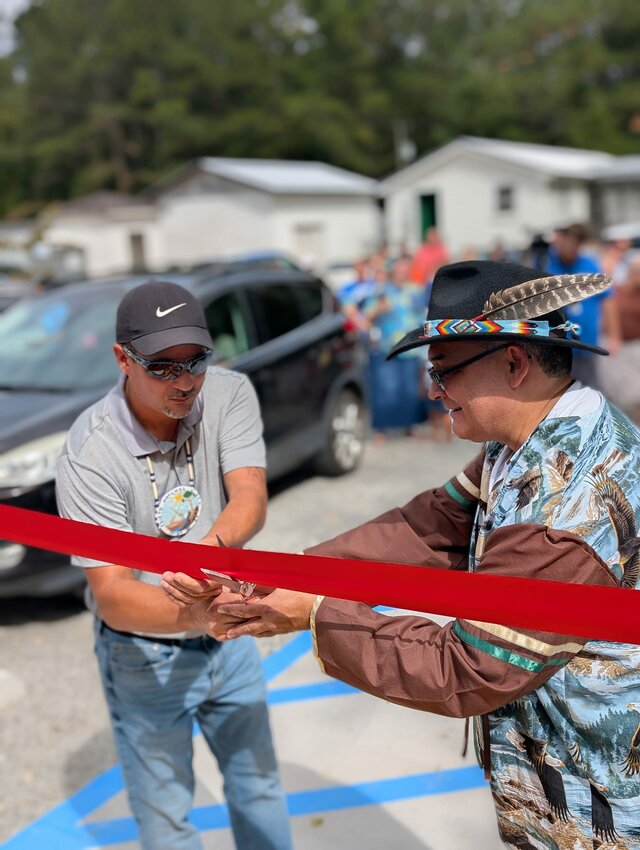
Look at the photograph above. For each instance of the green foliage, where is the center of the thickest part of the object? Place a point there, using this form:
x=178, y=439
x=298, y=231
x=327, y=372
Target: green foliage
x=112, y=94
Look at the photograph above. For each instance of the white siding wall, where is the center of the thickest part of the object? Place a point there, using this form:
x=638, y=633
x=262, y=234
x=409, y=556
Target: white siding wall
x=319, y=231
x=194, y=228
x=106, y=244
x=468, y=217
x=621, y=203
x=200, y=221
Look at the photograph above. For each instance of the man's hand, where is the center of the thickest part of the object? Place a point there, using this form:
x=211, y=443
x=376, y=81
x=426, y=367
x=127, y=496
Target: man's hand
x=278, y=613
x=202, y=614
x=184, y=590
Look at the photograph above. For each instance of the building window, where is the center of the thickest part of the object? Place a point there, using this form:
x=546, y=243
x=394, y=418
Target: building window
x=505, y=198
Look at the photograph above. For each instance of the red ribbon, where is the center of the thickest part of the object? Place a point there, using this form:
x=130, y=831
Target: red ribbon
x=579, y=610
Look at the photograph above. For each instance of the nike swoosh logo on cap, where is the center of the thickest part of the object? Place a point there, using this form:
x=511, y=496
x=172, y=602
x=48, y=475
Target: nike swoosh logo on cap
x=160, y=313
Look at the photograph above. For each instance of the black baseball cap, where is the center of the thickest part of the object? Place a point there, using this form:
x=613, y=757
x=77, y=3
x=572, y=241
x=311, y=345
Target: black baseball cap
x=158, y=315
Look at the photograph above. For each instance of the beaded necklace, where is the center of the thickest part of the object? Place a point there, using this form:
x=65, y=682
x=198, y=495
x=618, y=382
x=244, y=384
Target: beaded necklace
x=179, y=508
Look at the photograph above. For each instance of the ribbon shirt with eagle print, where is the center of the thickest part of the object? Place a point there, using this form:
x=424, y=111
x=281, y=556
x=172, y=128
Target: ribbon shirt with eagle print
x=561, y=714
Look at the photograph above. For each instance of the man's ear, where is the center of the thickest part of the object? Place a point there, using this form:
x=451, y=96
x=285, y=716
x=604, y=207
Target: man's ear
x=518, y=365
x=121, y=358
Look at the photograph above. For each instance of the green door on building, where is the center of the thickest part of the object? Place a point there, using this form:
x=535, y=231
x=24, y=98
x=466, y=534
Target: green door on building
x=427, y=213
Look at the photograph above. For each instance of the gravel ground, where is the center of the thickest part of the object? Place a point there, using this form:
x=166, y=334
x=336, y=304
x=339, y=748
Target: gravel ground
x=54, y=728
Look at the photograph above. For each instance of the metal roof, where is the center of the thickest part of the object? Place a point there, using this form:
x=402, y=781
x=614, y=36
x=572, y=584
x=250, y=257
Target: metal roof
x=623, y=168
x=550, y=159
x=570, y=163
x=97, y=203
x=289, y=177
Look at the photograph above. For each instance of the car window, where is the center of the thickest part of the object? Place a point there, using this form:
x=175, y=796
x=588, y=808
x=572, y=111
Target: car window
x=59, y=342
x=278, y=310
x=227, y=326
x=310, y=298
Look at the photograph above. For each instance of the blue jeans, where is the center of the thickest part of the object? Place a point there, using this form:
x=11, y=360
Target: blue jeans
x=155, y=691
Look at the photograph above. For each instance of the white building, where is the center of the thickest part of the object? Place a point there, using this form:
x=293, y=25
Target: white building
x=617, y=195
x=217, y=207
x=481, y=192
x=109, y=230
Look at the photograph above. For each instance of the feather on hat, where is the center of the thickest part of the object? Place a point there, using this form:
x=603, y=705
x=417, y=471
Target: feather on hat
x=488, y=300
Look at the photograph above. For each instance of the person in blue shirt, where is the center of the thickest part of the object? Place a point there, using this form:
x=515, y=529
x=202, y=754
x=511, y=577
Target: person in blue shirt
x=395, y=385
x=593, y=314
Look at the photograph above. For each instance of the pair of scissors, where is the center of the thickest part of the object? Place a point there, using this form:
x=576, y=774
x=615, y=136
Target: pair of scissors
x=244, y=588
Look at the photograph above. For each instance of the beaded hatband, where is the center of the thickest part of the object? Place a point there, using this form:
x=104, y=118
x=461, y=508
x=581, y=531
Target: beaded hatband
x=468, y=327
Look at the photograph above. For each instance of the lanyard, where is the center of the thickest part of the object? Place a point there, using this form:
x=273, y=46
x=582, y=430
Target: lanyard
x=179, y=508
x=152, y=474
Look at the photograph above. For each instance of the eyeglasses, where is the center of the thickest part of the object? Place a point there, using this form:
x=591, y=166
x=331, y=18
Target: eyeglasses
x=169, y=370
x=438, y=376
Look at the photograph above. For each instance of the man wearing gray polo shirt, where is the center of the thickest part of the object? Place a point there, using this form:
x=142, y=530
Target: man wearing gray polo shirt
x=175, y=450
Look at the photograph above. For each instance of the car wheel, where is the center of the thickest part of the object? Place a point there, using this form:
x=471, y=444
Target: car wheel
x=344, y=442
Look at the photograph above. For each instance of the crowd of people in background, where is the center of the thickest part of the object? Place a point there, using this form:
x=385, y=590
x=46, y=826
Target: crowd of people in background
x=389, y=294
x=388, y=298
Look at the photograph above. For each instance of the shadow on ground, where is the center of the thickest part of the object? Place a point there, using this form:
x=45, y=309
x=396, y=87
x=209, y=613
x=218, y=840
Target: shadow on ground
x=25, y=609
x=96, y=755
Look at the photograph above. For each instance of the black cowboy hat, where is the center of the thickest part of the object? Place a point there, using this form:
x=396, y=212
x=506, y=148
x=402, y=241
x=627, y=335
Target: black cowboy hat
x=472, y=300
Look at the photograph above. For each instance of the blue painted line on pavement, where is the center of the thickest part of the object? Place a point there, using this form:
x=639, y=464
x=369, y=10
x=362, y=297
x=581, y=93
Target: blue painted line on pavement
x=61, y=827
x=283, y=658
x=318, y=690
x=320, y=800
x=385, y=790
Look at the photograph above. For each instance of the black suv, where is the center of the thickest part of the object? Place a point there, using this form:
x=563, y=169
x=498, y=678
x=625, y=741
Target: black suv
x=282, y=328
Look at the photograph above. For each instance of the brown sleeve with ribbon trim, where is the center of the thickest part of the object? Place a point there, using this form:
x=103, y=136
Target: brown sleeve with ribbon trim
x=463, y=668
x=432, y=530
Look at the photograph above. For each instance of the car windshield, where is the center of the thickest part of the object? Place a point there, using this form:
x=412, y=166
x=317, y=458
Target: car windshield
x=59, y=341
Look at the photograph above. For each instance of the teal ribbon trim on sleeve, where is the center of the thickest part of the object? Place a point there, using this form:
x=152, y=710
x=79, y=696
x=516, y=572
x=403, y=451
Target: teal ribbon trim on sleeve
x=451, y=490
x=506, y=654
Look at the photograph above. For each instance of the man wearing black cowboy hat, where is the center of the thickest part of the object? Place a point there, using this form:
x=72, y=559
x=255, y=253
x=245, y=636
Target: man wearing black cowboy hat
x=553, y=494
